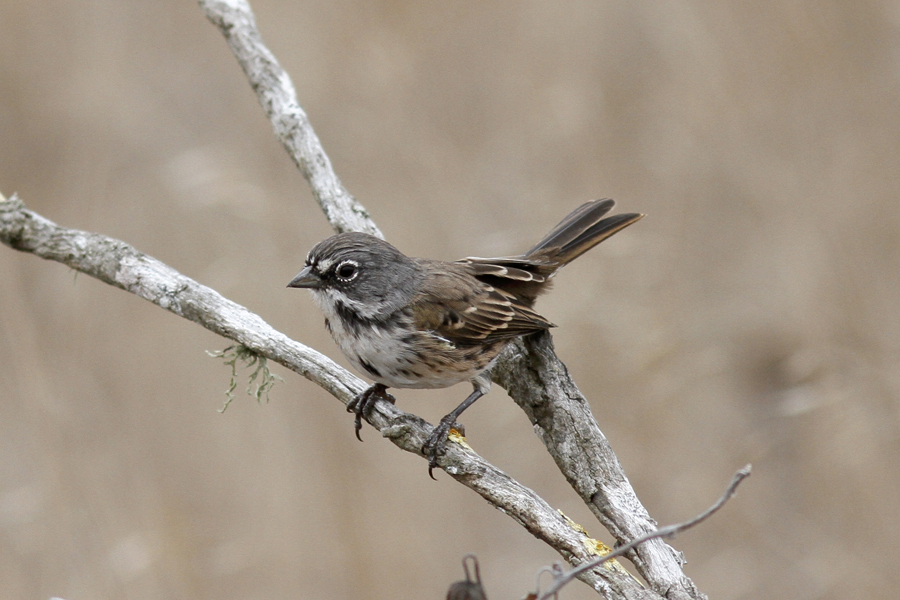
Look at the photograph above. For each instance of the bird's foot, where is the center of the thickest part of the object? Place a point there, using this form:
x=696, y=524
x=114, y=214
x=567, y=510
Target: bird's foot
x=364, y=402
x=436, y=444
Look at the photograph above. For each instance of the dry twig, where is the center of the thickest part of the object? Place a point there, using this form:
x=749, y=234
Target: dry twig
x=560, y=578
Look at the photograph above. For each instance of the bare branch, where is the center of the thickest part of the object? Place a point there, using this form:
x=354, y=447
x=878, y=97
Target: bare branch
x=276, y=94
x=539, y=382
x=669, y=531
x=121, y=265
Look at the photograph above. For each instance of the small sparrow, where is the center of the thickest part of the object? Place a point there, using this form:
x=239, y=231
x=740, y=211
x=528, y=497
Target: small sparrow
x=420, y=323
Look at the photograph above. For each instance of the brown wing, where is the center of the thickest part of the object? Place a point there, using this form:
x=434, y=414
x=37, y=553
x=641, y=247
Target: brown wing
x=517, y=275
x=462, y=309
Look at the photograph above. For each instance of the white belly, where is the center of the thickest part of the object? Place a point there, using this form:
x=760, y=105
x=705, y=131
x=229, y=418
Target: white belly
x=381, y=354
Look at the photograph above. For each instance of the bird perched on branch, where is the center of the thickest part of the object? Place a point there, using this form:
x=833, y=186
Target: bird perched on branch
x=420, y=323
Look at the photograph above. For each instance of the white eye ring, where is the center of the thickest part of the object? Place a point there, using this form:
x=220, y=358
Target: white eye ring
x=347, y=270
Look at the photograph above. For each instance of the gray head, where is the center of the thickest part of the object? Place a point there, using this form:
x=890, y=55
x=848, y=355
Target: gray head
x=364, y=273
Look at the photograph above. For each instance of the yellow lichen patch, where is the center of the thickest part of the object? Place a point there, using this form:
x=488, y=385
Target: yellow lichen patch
x=455, y=436
x=572, y=523
x=596, y=547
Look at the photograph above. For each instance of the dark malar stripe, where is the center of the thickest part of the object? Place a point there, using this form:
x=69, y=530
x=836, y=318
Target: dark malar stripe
x=354, y=323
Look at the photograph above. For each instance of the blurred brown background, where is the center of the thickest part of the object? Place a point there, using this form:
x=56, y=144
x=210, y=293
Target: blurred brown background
x=751, y=317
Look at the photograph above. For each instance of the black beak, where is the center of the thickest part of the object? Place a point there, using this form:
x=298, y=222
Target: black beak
x=306, y=279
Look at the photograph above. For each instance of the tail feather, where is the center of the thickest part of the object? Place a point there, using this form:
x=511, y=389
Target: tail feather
x=528, y=275
x=580, y=231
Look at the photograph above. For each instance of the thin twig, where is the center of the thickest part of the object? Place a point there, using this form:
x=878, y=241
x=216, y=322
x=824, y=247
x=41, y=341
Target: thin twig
x=669, y=532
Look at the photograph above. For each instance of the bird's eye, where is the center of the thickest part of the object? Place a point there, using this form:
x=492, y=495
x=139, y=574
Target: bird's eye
x=347, y=270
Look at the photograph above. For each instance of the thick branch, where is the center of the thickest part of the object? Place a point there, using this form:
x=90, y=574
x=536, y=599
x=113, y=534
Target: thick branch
x=540, y=383
x=276, y=94
x=121, y=265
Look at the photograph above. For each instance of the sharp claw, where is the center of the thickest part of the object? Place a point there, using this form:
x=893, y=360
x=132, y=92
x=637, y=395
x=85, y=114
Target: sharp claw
x=357, y=425
x=432, y=449
x=356, y=407
x=436, y=443
x=364, y=402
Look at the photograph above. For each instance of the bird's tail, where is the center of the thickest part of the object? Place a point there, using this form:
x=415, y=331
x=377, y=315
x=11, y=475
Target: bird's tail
x=583, y=229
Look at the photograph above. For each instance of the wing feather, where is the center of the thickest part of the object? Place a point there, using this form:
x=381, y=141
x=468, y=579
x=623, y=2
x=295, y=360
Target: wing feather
x=467, y=311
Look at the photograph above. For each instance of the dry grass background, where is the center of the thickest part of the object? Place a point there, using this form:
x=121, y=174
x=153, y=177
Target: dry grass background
x=751, y=317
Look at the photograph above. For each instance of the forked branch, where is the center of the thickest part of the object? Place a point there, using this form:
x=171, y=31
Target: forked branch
x=529, y=370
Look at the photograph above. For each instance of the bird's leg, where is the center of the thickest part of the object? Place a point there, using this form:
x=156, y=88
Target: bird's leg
x=364, y=402
x=437, y=441
x=434, y=445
